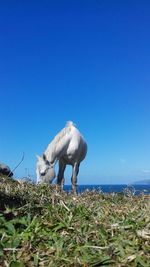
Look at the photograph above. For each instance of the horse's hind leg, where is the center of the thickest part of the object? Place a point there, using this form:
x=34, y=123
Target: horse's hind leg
x=60, y=177
x=75, y=171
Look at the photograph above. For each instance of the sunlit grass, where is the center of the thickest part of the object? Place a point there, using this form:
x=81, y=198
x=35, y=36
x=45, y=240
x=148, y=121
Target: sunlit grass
x=41, y=227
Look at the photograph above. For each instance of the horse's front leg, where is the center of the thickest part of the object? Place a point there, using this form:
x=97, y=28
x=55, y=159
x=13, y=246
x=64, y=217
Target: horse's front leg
x=60, y=177
x=75, y=171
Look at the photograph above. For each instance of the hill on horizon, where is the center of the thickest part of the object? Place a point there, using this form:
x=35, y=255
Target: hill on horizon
x=145, y=181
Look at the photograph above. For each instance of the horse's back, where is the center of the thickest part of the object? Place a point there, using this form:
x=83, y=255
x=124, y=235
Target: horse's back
x=68, y=145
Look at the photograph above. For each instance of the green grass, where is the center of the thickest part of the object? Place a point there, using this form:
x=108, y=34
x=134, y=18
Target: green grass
x=40, y=227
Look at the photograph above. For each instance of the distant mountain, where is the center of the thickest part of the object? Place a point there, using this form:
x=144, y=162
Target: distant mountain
x=145, y=182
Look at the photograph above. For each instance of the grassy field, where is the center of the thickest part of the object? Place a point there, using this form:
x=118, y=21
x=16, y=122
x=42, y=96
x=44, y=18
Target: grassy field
x=40, y=227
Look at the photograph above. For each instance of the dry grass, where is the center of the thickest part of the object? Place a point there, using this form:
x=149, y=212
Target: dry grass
x=40, y=227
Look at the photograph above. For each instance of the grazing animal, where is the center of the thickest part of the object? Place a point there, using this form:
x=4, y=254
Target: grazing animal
x=5, y=170
x=68, y=148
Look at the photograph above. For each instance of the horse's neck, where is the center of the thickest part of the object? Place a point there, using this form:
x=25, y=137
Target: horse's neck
x=57, y=145
x=50, y=152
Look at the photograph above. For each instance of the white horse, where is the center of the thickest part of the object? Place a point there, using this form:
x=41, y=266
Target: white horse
x=68, y=148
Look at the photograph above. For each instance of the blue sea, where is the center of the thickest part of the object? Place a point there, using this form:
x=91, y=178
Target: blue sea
x=113, y=188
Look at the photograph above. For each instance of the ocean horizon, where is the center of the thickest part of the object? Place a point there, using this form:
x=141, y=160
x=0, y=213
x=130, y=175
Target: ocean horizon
x=112, y=188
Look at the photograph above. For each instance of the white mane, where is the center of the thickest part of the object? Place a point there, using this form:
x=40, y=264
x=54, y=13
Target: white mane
x=50, y=151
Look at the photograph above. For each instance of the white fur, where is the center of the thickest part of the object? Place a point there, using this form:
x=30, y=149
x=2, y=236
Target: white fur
x=68, y=147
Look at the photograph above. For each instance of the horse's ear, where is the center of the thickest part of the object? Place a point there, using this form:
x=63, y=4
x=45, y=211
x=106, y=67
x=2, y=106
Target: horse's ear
x=44, y=157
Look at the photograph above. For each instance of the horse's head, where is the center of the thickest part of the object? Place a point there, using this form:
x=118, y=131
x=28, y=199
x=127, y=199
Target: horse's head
x=44, y=170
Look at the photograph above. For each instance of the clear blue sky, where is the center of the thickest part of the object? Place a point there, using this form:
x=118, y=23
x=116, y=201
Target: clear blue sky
x=85, y=61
